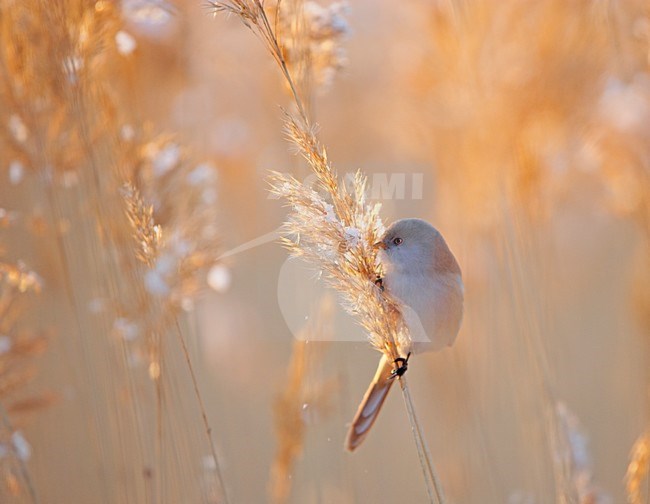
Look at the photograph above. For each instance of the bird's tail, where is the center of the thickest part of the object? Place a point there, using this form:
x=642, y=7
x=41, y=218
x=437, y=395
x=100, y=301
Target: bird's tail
x=371, y=404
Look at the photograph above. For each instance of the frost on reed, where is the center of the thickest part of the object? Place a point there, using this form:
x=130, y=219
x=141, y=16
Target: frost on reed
x=637, y=470
x=336, y=230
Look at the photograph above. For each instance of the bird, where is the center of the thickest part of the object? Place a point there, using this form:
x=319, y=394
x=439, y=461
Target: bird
x=422, y=275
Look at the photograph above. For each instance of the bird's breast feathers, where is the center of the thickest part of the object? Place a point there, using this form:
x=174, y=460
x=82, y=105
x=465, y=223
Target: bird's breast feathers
x=432, y=306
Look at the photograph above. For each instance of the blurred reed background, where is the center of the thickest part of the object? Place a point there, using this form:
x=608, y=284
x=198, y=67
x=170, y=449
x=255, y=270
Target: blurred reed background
x=135, y=144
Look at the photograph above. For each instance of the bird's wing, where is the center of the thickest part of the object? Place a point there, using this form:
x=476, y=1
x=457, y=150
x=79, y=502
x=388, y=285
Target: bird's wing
x=370, y=405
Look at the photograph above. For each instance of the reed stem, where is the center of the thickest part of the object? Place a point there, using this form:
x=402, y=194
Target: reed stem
x=434, y=487
x=204, y=415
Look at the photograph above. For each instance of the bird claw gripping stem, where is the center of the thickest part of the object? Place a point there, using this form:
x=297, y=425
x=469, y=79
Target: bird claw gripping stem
x=401, y=365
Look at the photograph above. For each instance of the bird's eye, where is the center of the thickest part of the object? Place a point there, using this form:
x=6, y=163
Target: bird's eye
x=397, y=241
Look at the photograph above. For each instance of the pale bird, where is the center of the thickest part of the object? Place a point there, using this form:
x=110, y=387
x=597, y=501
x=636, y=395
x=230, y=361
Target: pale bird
x=422, y=275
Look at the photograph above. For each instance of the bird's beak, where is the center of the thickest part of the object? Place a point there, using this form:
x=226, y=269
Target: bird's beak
x=380, y=245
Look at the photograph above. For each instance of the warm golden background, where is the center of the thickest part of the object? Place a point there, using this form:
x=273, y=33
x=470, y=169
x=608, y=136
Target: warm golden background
x=530, y=125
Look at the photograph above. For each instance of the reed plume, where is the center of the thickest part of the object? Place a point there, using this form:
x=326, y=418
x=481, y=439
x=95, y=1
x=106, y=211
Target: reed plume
x=128, y=212
x=170, y=205
x=637, y=470
x=579, y=486
x=335, y=228
x=312, y=39
x=560, y=124
x=18, y=348
x=339, y=237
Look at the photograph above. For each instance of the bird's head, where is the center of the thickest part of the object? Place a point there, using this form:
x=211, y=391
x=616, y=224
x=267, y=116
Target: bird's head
x=414, y=246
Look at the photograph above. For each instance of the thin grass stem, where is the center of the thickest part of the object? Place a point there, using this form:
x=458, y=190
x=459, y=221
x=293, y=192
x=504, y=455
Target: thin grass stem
x=204, y=415
x=434, y=487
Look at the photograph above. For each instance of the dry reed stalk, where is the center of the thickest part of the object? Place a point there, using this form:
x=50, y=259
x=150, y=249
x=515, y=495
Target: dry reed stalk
x=637, y=470
x=618, y=144
x=289, y=425
x=432, y=480
x=63, y=121
x=147, y=234
x=64, y=133
x=166, y=191
x=17, y=351
x=504, y=63
x=335, y=228
x=204, y=415
x=302, y=398
x=579, y=486
x=312, y=37
x=175, y=266
x=472, y=77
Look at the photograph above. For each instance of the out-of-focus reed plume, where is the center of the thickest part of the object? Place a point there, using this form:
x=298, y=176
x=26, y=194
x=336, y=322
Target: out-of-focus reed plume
x=472, y=77
x=66, y=126
x=177, y=260
x=171, y=208
x=510, y=101
x=637, y=470
x=617, y=145
x=305, y=398
x=146, y=233
x=18, y=347
x=312, y=38
x=304, y=38
x=289, y=424
x=574, y=453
